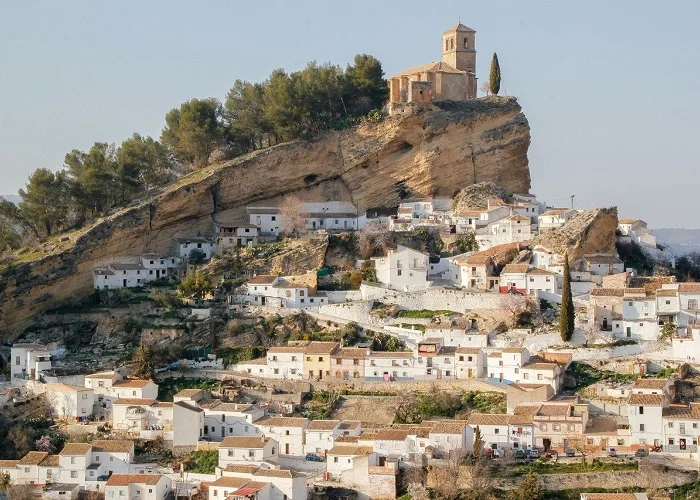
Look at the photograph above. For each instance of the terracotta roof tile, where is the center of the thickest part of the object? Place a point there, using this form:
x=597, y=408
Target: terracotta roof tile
x=262, y=279
x=127, y=479
x=646, y=399
x=244, y=442
x=488, y=419
x=323, y=425
x=650, y=383
x=75, y=449
x=33, y=458
x=230, y=482
x=113, y=445
x=283, y=421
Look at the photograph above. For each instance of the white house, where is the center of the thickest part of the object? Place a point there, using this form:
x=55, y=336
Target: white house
x=70, y=402
x=513, y=278
x=639, y=318
x=554, y=218
x=184, y=246
x=289, y=432
x=403, y=269
x=267, y=219
x=73, y=461
x=645, y=417
x=36, y=467
x=504, y=365
x=392, y=443
x=470, y=362
x=247, y=481
x=279, y=291
x=229, y=234
x=471, y=271
x=134, y=271
x=389, y=366
x=141, y=486
x=455, y=333
x=493, y=428
x=144, y=418
x=230, y=419
x=188, y=424
x=320, y=436
x=343, y=457
x=450, y=435
x=133, y=388
x=602, y=264
x=109, y=457
x=510, y=229
x=245, y=449
x=686, y=344
x=29, y=360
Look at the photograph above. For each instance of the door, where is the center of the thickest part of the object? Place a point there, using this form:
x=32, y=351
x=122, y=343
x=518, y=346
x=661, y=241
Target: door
x=124, y=282
x=157, y=273
x=286, y=449
x=629, y=331
x=223, y=431
x=547, y=443
x=470, y=373
x=605, y=324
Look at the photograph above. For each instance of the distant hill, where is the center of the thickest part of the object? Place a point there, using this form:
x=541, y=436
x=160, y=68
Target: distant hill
x=681, y=241
x=12, y=198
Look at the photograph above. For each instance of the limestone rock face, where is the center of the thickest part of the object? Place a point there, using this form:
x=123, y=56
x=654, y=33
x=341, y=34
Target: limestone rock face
x=588, y=232
x=476, y=196
x=375, y=165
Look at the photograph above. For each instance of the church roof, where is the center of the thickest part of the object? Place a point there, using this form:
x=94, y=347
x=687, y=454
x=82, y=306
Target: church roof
x=460, y=27
x=436, y=67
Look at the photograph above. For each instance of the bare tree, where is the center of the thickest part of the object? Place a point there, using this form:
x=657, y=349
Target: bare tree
x=291, y=211
x=374, y=236
x=485, y=87
x=591, y=332
x=581, y=445
x=514, y=304
x=20, y=491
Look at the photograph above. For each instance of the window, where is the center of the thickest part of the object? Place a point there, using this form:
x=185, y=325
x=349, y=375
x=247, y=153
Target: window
x=286, y=433
x=320, y=358
x=539, y=376
x=556, y=427
x=251, y=453
x=500, y=363
x=294, y=358
x=273, y=218
x=641, y=427
x=230, y=453
x=496, y=431
x=641, y=410
x=74, y=474
x=335, y=460
x=72, y=460
x=543, y=427
x=26, y=470
x=526, y=376
x=84, y=395
x=671, y=441
x=398, y=272
x=461, y=358
x=670, y=425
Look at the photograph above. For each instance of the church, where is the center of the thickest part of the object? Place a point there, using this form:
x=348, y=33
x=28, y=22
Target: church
x=452, y=79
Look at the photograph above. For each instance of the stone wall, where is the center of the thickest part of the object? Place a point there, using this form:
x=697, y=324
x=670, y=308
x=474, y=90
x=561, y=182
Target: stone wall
x=435, y=298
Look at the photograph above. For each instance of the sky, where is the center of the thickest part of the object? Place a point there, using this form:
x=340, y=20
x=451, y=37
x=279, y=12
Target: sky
x=610, y=89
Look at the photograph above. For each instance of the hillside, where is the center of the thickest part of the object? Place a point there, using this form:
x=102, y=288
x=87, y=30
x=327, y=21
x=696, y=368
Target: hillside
x=374, y=165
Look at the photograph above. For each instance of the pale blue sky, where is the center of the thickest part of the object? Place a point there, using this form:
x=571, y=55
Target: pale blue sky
x=610, y=87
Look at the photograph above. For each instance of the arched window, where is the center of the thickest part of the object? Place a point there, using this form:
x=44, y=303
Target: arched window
x=447, y=44
x=452, y=43
x=466, y=43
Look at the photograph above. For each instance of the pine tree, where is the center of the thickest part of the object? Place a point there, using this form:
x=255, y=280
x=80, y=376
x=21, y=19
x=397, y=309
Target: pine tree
x=143, y=363
x=527, y=489
x=566, y=313
x=495, y=75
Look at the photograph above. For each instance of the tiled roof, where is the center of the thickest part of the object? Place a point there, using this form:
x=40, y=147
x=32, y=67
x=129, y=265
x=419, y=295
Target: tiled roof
x=75, y=449
x=249, y=489
x=127, y=479
x=133, y=402
x=609, y=496
x=321, y=347
x=690, y=412
x=601, y=425
x=283, y=421
x=526, y=387
x=555, y=211
x=391, y=354
x=262, y=279
x=230, y=482
x=515, y=268
x=376, y=470
x=275, y=473
x=101, y=375
x=33, y=458
x=50, y=461
x=541, y=365
x=244, y=442
x=537, y=270
x=182, y=404
x=460, y=27
x=439, y=66
x=553, y=410
x=646, y=399
x=323, y=425
x=513, y=350
x=113, y=445
x=602, y=259
x=447, y=426
x=391, y=435
x=8, y=464
x=188, y=393
x=65, y=388
x=650, y=383
x=350, y=353
x=350, y=450
x=135, y=384
x=629, y=221
x=667, y=293
x=562, y=358
x=468, y=350
x=689, y=287
x=495, y=354
x=241, y=468
x=476, y=259
x=488, y=419
x=286, y=348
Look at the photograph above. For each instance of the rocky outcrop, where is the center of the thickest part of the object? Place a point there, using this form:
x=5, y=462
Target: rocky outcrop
x=588, y=232
x=433, y=152
x=476, y=196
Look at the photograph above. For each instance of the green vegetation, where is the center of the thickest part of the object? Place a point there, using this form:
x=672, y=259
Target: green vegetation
x=527, y=489
x=582, y=375
x=204, y=462
x=575, y=494
x=467, y=243
x=566, y=313
x=320, y=405
x=495, y=75
x=633, y=256
x=168, y=387
x=410, y=325
x=549, y=467
x=196, y=285
x=415, y=408
x=425, y=313
x=233, y=355
x=384, y=342
x=143, y=362
x=23, y=435
x=198, y=132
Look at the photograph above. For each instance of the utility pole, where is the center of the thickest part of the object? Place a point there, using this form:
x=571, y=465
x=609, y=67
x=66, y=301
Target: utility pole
x=572, y=201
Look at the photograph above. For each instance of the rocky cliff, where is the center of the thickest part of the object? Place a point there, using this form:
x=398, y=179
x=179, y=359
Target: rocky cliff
x=588, y=232
x=375, y=165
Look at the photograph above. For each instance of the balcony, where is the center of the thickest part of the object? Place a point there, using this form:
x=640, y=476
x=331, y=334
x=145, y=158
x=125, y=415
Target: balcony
x=135, y=414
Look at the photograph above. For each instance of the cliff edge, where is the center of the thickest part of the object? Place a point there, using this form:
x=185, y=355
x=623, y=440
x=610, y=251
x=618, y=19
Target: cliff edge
x=375, y=165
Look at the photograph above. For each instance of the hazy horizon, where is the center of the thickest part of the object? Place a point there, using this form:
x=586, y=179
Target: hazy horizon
x=604, y=86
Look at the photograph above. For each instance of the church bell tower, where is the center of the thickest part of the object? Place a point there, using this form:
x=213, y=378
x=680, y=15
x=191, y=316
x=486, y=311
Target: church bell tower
x=459, y=51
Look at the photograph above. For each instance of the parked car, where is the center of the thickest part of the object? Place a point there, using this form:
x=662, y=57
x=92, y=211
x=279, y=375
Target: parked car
x=103, y=477
x=570, y=453
x=550, y=454
x=534, y=453
x=312, y=457
x=641, y=452
x=612, y=452
x=520, y=454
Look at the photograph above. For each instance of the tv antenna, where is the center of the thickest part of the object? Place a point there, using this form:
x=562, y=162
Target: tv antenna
x=572, y=201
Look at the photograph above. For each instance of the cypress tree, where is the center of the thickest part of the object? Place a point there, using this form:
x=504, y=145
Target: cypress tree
x=478, y=448
x=566, y=313
x=495, y=75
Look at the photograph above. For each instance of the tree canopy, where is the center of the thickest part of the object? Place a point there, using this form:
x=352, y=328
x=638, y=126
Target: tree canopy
x=285, y=106
x=495, y=75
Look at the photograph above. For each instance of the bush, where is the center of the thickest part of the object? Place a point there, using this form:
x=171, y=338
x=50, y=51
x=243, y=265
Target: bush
x=204, y=462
